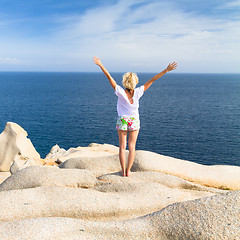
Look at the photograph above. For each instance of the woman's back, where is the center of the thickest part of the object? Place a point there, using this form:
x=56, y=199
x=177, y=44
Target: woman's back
x=124, y=106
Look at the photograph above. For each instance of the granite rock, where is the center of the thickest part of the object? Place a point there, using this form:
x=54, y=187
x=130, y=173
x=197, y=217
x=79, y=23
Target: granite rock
x=35, y=176
x=214, y=217
x=15, y=145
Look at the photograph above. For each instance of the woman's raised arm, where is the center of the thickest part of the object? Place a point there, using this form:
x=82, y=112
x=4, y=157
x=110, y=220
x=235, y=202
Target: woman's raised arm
x=170, y=67
x=97, y=61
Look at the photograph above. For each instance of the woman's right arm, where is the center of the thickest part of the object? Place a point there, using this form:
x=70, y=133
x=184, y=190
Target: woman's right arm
x=97, y=61
x=170, y=67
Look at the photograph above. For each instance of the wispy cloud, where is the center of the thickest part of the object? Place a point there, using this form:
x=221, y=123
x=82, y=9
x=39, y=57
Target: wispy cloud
x=9, y=60
x=134, y=35
x=153, y=33
x=231, y=4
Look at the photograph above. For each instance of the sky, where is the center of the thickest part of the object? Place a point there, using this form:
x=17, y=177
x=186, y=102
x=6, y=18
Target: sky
x=202, y=36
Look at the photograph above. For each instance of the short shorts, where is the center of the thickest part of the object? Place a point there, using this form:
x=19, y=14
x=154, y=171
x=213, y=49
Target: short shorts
x=127, y=123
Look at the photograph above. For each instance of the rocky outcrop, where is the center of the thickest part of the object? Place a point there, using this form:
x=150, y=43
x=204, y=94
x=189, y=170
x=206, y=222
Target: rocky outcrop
x=35, y=176
x=222, y=177
x=108, y=163
x=85, y=197
x=215, y=217
x=55, y=153
x=93, y=150
x=218, y=176
x=112, y=197
x=14, y=145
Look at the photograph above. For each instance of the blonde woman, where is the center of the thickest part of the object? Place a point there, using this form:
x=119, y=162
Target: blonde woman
x=127, y=108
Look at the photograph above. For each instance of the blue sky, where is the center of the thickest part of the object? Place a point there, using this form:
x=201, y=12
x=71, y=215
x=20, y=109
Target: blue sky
x=128, y=35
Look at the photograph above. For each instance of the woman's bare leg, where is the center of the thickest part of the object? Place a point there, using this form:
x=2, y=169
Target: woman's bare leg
x=131, y=146
x=122, y=135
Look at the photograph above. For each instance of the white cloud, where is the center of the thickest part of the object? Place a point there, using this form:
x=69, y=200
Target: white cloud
x=9, y=60
x=231, y=4
x=152, y=35
x=130, y=38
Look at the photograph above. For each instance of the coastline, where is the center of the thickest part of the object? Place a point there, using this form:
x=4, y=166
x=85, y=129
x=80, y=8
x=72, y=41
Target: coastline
x=193, y=117
x=80, y=192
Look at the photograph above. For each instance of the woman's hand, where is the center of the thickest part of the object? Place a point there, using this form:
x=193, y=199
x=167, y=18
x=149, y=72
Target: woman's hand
x=97, y=61
x=171, y=66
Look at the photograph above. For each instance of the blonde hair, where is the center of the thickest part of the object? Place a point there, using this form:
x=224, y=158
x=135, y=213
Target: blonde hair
x=130, y=80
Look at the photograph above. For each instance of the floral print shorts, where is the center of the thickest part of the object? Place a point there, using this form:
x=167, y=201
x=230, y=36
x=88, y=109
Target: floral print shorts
x=127, y=123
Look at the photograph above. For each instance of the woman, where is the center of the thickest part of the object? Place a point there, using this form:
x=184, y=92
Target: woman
x=127, y=107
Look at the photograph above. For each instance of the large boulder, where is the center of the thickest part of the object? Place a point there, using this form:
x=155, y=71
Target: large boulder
x=107, y=163
x=60, y=155
x=15, y=145
x=218, y=176
x=23, y=163
x=35, y=176
x=55, y=153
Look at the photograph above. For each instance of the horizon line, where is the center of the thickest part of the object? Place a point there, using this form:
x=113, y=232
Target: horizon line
x=44, y=71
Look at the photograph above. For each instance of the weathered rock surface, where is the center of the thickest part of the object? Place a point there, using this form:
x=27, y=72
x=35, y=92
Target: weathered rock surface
x=107, y=163
x=157, y=177
x=219, y=176
x=4, y=176
x=85, y=197
x=55, y=153
x=215, y=217
x=93, y=150
x=15, y=145
x=115, y=202
x=35, y=176
x=20, y=163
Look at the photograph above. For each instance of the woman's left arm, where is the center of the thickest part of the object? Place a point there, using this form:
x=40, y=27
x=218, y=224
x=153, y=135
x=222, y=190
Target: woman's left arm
x=97, y=61
x=170, y=67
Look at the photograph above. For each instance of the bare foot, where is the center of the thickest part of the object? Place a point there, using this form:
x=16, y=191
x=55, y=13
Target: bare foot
x=123, y=174
x=128, y=173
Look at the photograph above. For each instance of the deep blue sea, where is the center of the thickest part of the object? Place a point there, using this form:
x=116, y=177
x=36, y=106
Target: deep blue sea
x=194, y=117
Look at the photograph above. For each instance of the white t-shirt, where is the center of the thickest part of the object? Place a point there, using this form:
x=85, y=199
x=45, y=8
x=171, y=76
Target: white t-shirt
x=124, y=107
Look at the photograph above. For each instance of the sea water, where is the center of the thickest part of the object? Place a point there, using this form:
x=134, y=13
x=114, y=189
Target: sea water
x=194, y=117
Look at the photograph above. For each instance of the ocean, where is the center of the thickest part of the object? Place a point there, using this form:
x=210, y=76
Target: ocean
x=194, y=117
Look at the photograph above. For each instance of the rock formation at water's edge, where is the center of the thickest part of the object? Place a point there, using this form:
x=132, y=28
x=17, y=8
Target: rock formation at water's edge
x=79, y=193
